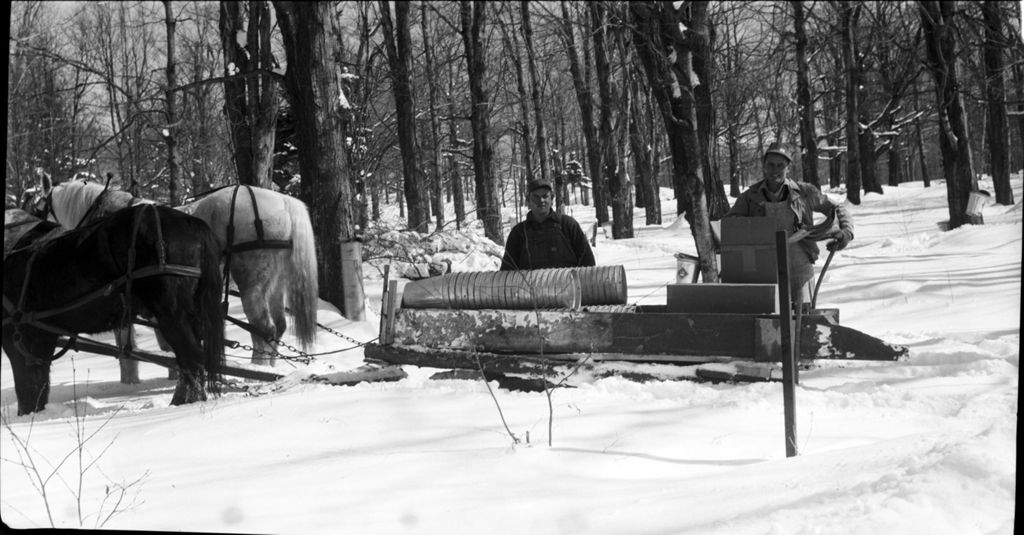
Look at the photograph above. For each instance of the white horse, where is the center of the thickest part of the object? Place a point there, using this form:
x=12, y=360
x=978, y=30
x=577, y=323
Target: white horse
x=266, y=239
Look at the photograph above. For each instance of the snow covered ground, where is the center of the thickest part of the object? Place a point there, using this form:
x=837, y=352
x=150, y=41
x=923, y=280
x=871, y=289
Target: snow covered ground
x=925, y=445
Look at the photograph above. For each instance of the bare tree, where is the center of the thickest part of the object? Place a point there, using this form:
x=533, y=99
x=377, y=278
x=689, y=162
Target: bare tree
x=436, y=196
x=584, y=98
x=250, y=96
x=998, y=131
x=940, y=42
x=169, y=131
x=512, y=45
x=849, y=13
x=322, y=114
x=535, y=93
x=808, y=134
x=398, y=43
x=473, y=17
x=665, y=50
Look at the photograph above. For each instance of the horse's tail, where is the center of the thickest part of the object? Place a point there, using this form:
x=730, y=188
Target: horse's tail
x=303, y=289
x=210, y=313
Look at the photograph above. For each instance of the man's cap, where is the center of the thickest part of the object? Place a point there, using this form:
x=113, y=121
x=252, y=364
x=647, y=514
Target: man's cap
x=780, y=149
x=537, y=184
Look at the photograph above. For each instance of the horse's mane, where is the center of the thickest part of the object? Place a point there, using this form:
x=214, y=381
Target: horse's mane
x=71, y=201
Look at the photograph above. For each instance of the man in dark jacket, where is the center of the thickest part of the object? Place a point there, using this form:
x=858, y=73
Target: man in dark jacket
x=545, y=239
x=793, y=204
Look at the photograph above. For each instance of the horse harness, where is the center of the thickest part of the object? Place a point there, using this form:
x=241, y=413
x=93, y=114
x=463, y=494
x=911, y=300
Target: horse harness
x=259, y=243
x=18, y=317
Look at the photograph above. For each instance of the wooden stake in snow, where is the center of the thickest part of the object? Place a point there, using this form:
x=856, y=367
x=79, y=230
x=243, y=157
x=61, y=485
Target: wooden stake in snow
x=786, y=328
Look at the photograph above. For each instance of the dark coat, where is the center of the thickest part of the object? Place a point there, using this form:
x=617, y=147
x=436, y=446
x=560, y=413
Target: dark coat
x=556, y=242
x=804, y=199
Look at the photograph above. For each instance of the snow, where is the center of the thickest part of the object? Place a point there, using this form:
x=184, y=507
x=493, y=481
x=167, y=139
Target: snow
x=925, y=445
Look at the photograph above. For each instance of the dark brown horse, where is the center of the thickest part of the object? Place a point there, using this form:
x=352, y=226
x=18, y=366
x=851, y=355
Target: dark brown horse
x=147, y=260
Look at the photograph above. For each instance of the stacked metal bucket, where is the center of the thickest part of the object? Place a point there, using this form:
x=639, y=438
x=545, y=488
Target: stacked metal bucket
x=569, y=288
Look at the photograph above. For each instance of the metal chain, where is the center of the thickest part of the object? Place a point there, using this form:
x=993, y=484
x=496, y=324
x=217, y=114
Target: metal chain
x=342, y=336
x=300, y=356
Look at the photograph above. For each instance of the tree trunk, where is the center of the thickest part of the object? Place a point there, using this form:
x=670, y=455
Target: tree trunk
x=645, y=155
x=609, y=151
x=585, y=100
x=998, y=131
x=703, y=67
x=454, y=177
x=954, y=143
x=808, y=137
x=437, y=198
x=1018, y=77
x=250, y=102
x=849, y=15
x=512, y=44
x=488, y=204
x=398, y=43
x=657, y=29
x=172, y=110
x=321, y=119
x=869, y=160
x=619, y=187
x=895, y=162
x=542, y=143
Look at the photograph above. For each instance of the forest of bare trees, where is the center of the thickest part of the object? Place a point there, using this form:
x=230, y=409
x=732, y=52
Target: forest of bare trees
x=355, y=105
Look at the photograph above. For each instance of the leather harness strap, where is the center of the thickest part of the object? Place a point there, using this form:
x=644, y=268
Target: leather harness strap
x=17, y=316
x=259, y=243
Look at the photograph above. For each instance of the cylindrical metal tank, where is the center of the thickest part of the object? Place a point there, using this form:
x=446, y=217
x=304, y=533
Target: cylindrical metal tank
x=523, y=290
x=520, y=290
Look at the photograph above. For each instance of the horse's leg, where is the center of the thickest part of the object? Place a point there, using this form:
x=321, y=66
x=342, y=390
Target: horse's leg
x=187, y=352
x=174, y=313
x=254, y=273
x=129, y=366
x=30, y=365
x=172, y=373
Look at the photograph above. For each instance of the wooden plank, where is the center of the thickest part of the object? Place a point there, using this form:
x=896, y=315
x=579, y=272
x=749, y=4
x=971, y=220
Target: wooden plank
x=90, y=346
x=721, y=298
x=656, y=336
x=563, y=331
x=547, y=366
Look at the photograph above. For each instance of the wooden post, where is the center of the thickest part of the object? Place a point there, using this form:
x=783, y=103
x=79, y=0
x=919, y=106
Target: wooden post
x=388, y=336
x=786, y=328
x=384, y=303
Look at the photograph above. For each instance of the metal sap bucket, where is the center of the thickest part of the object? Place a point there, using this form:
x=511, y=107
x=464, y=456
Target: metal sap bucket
x=687, y=268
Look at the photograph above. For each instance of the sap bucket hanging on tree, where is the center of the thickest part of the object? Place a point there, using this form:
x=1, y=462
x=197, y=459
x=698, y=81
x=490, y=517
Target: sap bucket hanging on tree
x=687, y=268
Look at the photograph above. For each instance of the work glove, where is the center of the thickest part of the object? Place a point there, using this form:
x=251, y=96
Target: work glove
x=840, y=239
